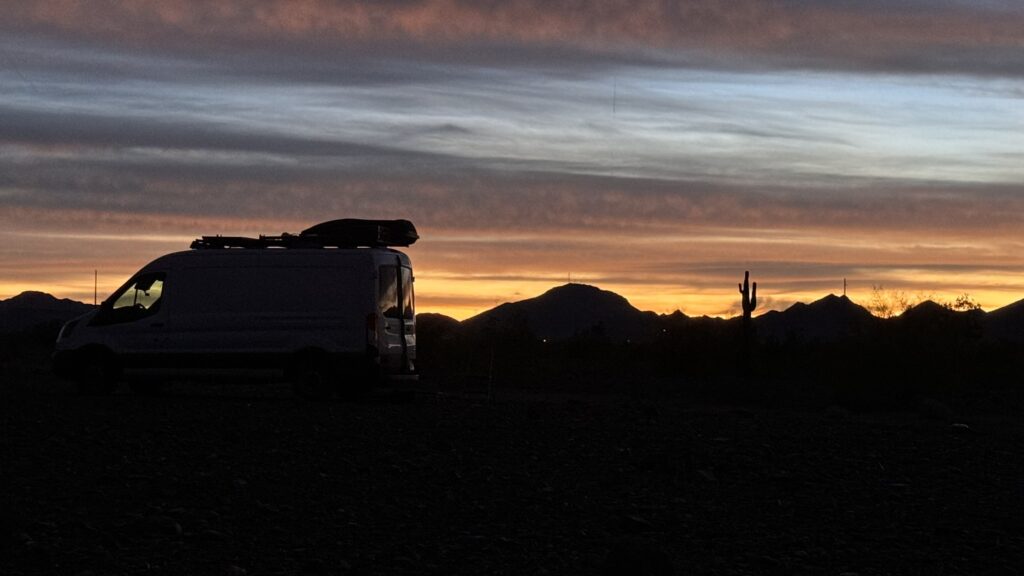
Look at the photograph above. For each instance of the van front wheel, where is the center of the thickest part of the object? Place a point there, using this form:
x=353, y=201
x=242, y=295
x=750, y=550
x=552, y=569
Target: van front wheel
x=98, y=373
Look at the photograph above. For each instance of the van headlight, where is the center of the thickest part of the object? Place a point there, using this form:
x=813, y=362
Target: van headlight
x=66, y=330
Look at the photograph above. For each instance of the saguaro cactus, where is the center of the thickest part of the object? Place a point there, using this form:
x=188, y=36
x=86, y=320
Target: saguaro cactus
x=749, y=297
x=749, y=303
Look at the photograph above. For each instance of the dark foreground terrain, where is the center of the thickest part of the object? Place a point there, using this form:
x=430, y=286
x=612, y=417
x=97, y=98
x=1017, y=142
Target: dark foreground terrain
x=248, y=480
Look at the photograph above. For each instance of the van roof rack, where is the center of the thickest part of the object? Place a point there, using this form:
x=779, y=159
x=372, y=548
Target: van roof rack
x=343, y=233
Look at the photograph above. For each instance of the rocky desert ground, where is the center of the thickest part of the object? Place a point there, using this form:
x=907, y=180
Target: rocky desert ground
x=247, y=479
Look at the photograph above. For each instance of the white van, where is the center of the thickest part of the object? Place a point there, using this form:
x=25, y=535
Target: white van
x=332, y=308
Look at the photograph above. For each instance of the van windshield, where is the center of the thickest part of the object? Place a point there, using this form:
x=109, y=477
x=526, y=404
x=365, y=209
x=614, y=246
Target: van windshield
x=144, y=293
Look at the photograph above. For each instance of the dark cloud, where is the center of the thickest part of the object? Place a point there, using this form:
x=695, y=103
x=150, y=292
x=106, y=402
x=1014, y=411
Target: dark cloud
x=457, y=193
x=90, y=59
x=959, y=37
x=50, y=128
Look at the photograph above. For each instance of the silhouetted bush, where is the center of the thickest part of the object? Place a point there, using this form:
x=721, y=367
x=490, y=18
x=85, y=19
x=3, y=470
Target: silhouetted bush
x=889, y=365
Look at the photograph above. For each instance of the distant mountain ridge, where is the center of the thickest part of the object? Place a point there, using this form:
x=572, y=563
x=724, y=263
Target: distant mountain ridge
x=580, y=309
x=1006, y=323
x=829, y=319
x=30, y=309
x=577, y=309
x=566, y=311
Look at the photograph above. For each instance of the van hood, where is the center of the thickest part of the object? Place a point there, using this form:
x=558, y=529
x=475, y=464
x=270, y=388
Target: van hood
x=66, y=337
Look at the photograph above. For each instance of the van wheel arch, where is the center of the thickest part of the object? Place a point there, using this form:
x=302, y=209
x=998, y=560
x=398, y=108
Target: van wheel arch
x=311, y=375
x=97, y=370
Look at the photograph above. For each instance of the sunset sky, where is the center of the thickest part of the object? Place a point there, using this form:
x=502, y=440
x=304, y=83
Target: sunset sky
x=653, y=148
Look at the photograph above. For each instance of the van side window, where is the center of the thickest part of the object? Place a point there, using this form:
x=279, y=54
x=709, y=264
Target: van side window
x=138, y=299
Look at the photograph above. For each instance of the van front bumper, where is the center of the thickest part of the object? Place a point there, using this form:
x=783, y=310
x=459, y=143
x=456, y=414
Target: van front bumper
x=65, y=363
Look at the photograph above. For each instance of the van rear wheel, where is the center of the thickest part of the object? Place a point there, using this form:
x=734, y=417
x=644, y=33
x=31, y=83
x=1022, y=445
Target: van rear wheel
x=355, y=386
x=312, y=379
x=356, y=381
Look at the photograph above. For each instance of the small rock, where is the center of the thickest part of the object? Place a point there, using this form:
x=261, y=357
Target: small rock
x=161, y=525
x=935, y=410
x=836, y=411
x=634, y=523
x=961, y=428
x=267, y=509
x=314, y=566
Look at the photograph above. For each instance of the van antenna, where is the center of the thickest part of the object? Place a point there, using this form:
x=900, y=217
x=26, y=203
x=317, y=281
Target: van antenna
x=95, y=285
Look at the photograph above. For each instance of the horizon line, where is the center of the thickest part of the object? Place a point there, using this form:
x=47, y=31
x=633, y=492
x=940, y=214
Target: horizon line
x=933, y=298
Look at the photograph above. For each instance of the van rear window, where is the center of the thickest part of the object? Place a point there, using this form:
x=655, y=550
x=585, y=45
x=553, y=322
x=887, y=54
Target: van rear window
x=409, y=294
x=388, y=293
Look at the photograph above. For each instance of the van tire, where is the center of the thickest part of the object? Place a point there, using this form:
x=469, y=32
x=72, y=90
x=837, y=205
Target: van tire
x=356, y=382
x=354, y=387
x=98, y=373
x=312, y=377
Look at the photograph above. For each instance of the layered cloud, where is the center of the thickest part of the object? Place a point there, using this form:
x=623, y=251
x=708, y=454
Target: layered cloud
x=493, y=236
x=941, y=36
x=655, y=148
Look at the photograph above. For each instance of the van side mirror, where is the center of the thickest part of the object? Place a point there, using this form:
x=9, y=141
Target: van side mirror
x=145, y=283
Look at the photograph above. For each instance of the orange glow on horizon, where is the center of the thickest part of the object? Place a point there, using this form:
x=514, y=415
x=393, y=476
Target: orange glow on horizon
x=461, y=275
x=667, y=299
x=461, y=299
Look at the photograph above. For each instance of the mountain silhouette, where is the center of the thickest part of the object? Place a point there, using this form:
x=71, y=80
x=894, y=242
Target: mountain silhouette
x=580, y=309
x=434, y=326
x=929, y=310
x=567, y=311
x=932, y=314
x=1006, y=323
x=830, y=319
x=31, y=309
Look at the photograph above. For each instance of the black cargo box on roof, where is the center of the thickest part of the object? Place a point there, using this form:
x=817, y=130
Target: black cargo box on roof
x=352, y=231
x=344, y=233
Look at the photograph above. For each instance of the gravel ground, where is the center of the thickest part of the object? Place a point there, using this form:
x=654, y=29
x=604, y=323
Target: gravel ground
x=249, y=480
